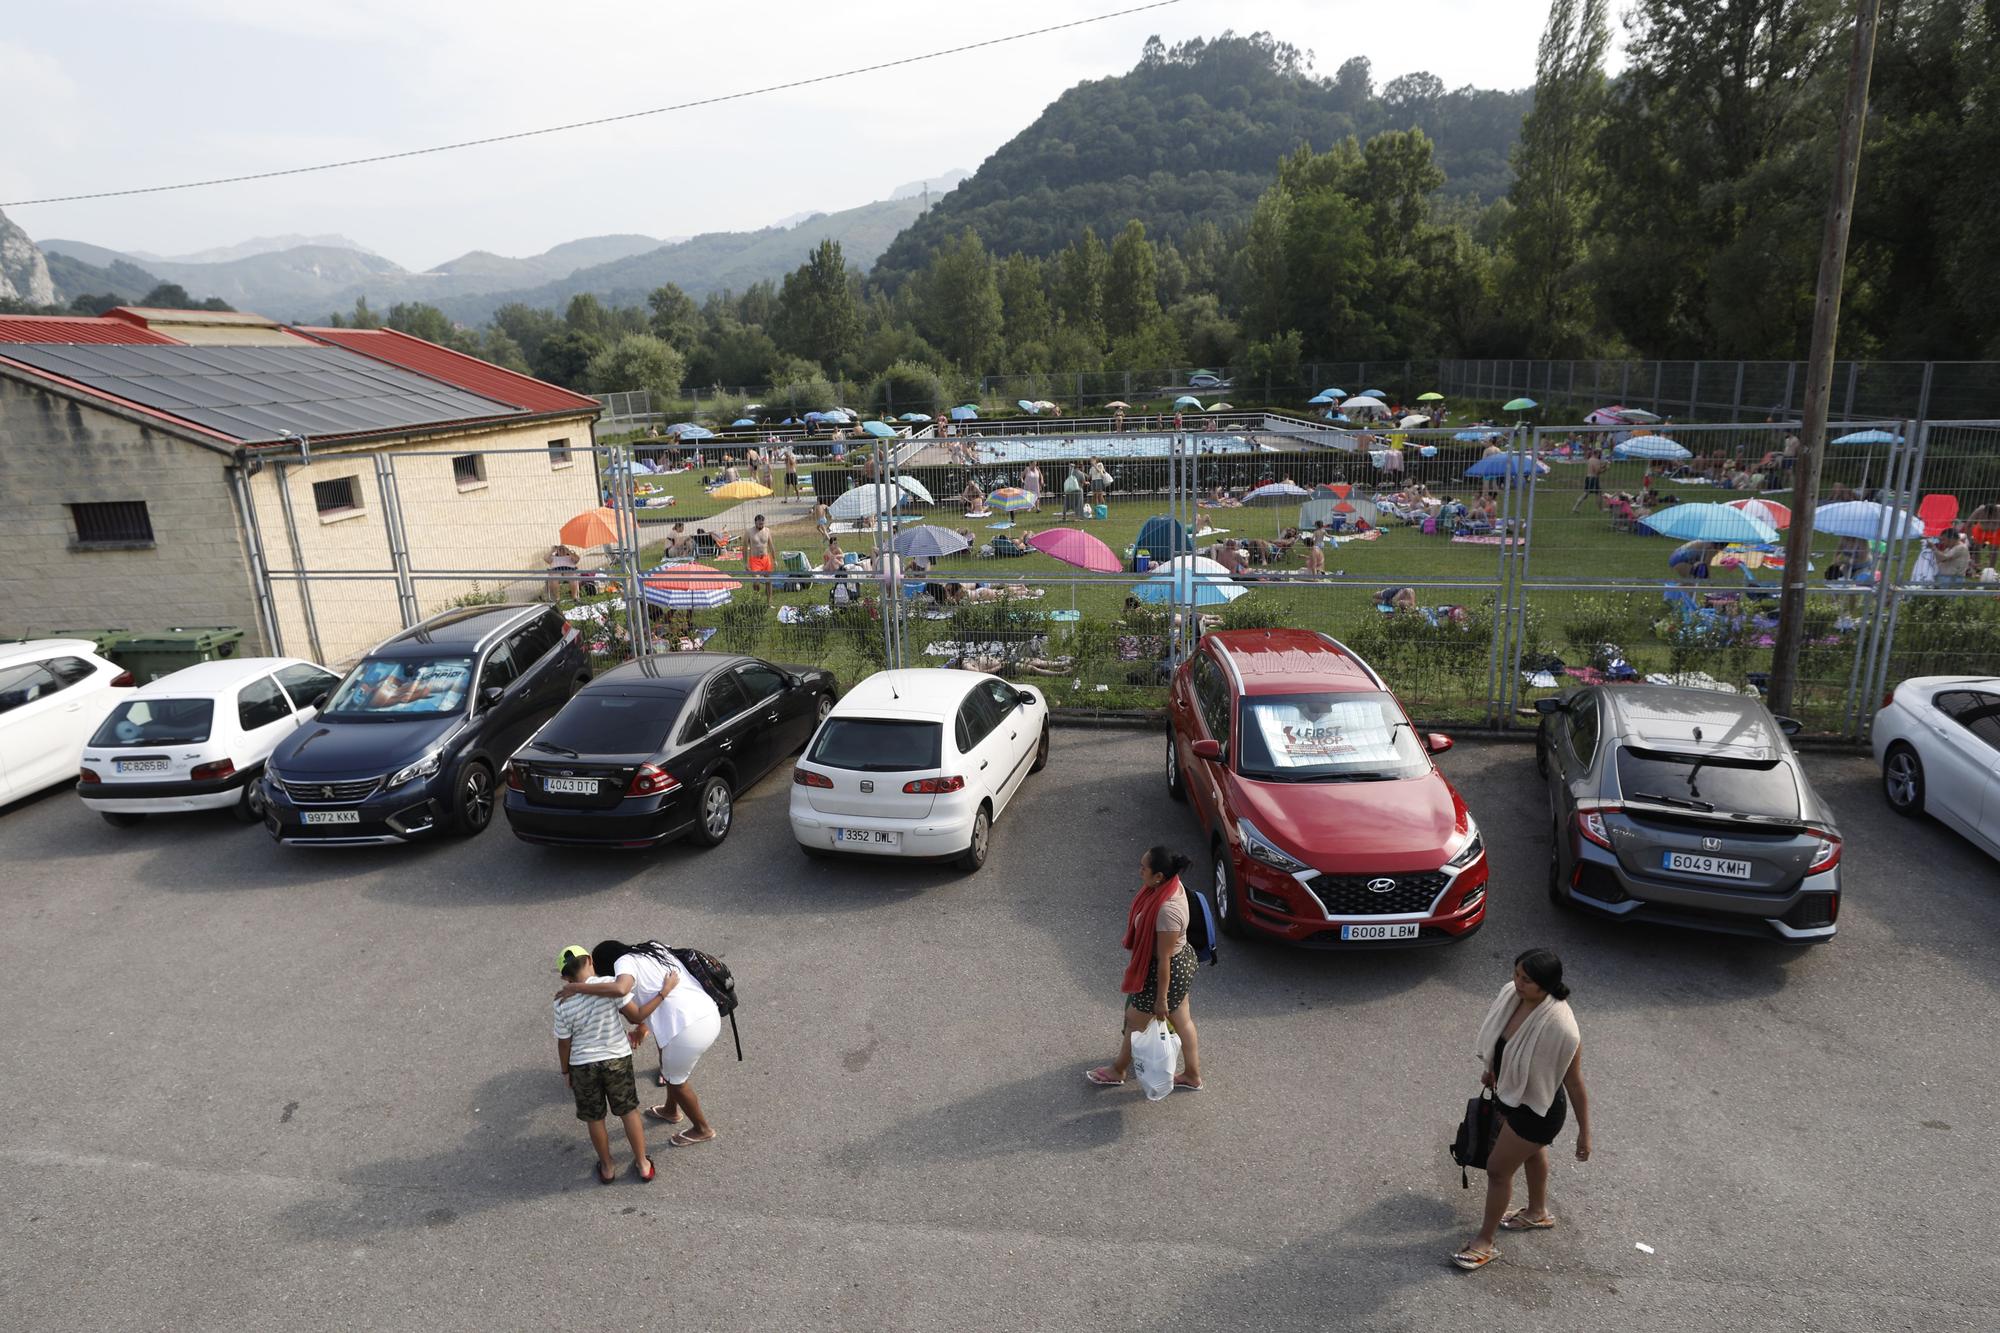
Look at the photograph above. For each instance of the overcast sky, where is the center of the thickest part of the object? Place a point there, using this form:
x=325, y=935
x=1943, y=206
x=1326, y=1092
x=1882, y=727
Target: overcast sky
x=107, y=94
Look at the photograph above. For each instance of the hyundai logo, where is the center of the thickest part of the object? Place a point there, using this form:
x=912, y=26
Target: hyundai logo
x=1711, y=844
x=1381, y=885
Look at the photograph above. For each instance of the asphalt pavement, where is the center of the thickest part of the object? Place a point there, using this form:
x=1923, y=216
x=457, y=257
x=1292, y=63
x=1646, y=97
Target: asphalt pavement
x=271, y=1087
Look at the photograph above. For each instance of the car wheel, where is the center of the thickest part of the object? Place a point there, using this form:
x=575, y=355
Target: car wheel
x=1041, y=751
x=1227, y=905
x=472, y=801
x=715, y=812
x=974, y=855
x=1175, y=787
x=1903, y=780
x=812, y=852
x=121, y=818
x=249, y=809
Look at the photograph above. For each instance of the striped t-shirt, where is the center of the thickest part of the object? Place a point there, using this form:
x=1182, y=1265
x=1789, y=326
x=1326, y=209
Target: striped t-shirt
x=593, y=1027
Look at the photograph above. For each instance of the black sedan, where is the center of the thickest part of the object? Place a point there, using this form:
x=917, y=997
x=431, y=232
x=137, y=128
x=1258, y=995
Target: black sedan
x=659, y=747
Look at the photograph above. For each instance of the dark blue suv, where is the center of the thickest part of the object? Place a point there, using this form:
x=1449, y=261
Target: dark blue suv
x=411, y=740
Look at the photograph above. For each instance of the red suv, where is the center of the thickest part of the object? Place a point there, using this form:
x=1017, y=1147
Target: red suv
x=1329, y=824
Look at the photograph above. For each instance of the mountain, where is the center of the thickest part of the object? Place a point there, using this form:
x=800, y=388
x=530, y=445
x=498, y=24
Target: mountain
x=1193, y=133
x=24, y=271
x=936, y=185
x=716, y=261
x=491, y=270
x=287, y=284
x=256, y=245
x=120, y=278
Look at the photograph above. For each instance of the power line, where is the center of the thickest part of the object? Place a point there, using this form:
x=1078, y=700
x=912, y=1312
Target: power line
x=601, y=120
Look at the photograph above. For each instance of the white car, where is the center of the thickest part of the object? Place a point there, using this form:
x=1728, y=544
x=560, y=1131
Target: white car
x=1938, y=741
x=53, y=693
x=918, y=764
x=197, y=739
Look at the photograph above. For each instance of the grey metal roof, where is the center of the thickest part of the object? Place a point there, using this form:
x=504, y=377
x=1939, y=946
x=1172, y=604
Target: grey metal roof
x=256, y=394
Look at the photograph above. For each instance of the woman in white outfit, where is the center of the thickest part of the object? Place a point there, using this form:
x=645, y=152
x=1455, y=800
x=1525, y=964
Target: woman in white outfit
x=660, y=993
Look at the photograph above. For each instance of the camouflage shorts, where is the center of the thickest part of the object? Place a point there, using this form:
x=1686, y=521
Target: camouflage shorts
x=605, y=1081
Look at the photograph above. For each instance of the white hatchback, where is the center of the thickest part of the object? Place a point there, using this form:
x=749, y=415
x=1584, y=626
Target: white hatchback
x=1938, y=741
x=53, y=693
x=918, y=764
x=197, y=739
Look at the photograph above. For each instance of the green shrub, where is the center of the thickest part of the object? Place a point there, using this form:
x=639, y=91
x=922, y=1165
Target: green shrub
x=740, y=624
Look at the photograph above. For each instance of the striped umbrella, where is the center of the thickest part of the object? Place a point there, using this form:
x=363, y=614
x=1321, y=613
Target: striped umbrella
x=1651, y=446
x=1009, y=499
x=1277, y=490
x=1777, y=515
x=687, y=587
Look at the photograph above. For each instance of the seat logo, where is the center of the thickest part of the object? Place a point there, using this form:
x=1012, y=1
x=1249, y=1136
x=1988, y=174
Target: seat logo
x=867, y=785
x=1381, y=885
x=1711, y=844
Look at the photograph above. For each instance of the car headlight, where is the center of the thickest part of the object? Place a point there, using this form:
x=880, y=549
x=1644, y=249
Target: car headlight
x=1261, y=848
x=1474, y=849
x=423, y=768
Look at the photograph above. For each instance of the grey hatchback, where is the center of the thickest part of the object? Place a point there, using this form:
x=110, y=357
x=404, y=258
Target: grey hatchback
x=1686, y=807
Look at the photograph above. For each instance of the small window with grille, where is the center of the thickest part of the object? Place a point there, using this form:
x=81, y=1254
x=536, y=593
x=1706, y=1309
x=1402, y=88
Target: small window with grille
x=112, y=524
x=469, y=470
x=338, y=496
x=560, y=454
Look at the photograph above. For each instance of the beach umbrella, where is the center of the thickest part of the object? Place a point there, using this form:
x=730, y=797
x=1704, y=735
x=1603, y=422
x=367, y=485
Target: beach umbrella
x=926, y=542
x=1506, y=465
x=1865, y=519
x=913, y=417
x=687, y=430
x=1321, y=400
x=837, y=414
x=1044, y=405
x=1869, y=437
x=1220, y=407
x=741, y=490
x=881, y=430
x=1777, y=515
x=1277, y=490
x=1428, y=451
x=742, y=421
x=1639, y=416
x=1432, y=397
x=1187, y=400
x=1117, y=402
x=1162, y=535
x=1710, y=523
x=1009, y=499
x=1026, y=406
x=1333, y=393
x=753, y=407
x=916, y=489
x=1415, y=419
x=1651, y=446
x=1364, y=403
x=965, y=414
x=1073, y=546
x=1374, y=393
x=593, y=527
x=1607, y=416
x=864, y=501
x=1474, y=436
x=1208, y=582
x=1519, y=405
x=687, y=587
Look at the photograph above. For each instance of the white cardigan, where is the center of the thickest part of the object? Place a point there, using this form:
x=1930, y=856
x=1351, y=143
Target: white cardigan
x=1537, y=1056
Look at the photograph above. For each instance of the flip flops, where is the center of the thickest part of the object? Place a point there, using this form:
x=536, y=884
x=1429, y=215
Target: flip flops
x=681, y=1140
x=645, y=1175
x=603, y=1179
x=660, y=1113
x=1472, y=1260
x=1097, y=1076
x=1518, y=1220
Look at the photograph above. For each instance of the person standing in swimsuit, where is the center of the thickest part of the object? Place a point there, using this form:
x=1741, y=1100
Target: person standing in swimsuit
x=1157, y=944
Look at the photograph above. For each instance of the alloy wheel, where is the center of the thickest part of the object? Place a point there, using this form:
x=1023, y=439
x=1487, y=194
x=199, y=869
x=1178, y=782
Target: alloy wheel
x=478, y=798
x=716, y=810
x=1899, y=779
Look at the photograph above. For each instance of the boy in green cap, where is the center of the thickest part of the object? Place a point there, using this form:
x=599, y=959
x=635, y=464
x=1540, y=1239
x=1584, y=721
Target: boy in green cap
x=595, y=1057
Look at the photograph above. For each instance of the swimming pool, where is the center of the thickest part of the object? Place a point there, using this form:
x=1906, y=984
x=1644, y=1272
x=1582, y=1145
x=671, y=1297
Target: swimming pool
x=1015, y=449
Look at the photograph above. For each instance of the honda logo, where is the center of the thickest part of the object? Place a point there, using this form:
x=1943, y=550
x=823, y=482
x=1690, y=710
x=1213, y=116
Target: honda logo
x=867, y=785
x=1381, y=885
x=1711, y=844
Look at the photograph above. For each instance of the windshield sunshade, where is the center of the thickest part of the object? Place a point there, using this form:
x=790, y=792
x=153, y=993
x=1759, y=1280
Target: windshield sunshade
x=1340, y=736
x=402, y=687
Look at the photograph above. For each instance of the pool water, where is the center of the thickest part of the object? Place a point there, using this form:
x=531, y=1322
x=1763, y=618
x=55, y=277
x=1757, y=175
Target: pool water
x=1015, y=449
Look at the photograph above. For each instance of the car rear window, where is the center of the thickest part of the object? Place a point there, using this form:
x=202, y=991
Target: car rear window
x=142, y=722
x=1766, y=788
x=614, y=723
x=877, y=745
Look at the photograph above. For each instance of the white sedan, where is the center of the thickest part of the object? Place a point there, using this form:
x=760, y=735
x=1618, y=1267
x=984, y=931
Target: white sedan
x=53, y=693
x=918, y=764
x=1938, y=741
x=197, y=739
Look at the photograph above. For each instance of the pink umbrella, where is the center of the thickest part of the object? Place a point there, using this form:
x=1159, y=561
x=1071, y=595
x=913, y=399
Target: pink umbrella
x=1777, y=515
x=1073, y=546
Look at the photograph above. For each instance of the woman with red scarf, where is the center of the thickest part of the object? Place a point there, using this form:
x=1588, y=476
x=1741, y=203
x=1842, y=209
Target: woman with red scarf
x=1156, y=939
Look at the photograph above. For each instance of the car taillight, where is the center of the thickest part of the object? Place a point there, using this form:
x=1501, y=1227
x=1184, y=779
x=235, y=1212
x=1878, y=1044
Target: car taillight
x=1827, y=855
x=933, y=786
x=88, y=775
x=1590, y=823
x=514, y=779
x=805, y=777
x=651, y=780
x=221, y=768
x=124, y=678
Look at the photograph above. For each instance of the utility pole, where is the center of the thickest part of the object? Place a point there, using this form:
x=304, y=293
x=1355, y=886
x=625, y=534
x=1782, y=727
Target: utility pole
x=1819, y=363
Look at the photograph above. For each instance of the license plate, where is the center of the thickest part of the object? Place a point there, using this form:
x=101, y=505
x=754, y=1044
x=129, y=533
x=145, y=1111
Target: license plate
x=1390, y=930
x=1707, y=865
x=140, y=765
x=573, y=786
x=330, y=817
x=872, y=837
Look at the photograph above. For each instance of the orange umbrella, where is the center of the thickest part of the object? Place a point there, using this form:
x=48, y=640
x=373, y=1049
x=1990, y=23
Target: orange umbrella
x=1777, y=515
x=593, y=527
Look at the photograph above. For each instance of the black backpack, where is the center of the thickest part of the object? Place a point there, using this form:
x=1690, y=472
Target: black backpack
x=1203, y=931
x=715, y=978
x=1476, y=1135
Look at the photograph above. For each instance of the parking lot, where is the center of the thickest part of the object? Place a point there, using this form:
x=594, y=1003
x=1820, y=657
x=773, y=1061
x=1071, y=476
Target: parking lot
x=317, y=1089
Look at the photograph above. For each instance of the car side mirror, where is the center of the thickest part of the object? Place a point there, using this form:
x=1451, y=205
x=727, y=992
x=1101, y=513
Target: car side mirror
x=1025, y=698
x=1437, y=742
x=319, y=702
x=490, y=696
x=1791, y=726
x=1209, y=750
x=1548, y=707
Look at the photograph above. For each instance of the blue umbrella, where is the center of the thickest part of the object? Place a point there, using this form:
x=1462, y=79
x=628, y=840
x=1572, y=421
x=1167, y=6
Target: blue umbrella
x=1206, y=580
x=1026, y=406
x=965, y=414
x=1651, y=446
x=1710, y=523
x=1187, y=400
x=1505, y=465
x=1373, y=393
x=815, y=416
x=743, y=421
x=1428, y=451
x=687, y=430
x=1474, y=436
x=1869, y=437
x=1319, y=398
x=928, y=543
x=913, y=416
x=1866, y=520
x=1333, y=393
x=881, y=430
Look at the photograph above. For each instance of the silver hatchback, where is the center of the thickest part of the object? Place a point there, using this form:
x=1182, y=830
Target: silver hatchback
x=1686, y=807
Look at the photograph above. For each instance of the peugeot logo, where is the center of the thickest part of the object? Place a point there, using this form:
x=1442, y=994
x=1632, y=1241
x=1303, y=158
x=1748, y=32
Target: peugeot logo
x=1381, y=885
x=867, y=785
x=327, y=792
x=1711, y=844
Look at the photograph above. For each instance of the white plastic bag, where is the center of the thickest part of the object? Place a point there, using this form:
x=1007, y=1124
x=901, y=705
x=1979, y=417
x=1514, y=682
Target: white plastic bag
x=1156, y=1054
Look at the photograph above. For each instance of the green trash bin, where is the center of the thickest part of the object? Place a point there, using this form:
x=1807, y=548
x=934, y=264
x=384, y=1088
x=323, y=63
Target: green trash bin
x=108, y=641
x=151, y=654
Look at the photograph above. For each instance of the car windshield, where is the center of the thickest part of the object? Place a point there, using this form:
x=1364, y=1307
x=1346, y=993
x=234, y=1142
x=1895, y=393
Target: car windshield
x=1762, y=787
x=877, y=745
x=1334, y=737
x=138, y=722
x=402, y=687
x=611, y=724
